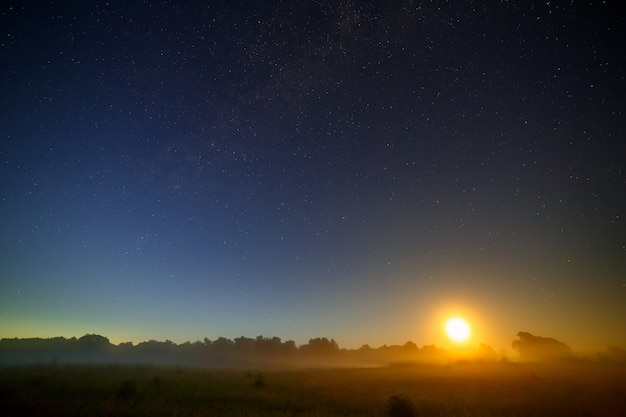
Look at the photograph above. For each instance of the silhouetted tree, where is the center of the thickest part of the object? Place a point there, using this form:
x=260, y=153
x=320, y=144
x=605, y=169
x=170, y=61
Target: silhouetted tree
x=290, y=346
x=223, y=344
x=244, y=344
x=486, y=353
x=536, y=348
x=431, y=353
x=156, y=346
x=125, y=345
x=409, y=346
x=93, y=341
x=321, y=346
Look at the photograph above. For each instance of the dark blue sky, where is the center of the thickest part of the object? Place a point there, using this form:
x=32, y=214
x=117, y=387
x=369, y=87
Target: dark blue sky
x=184, y=170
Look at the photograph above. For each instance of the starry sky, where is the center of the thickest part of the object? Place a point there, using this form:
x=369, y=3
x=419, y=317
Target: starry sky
x=355, y=170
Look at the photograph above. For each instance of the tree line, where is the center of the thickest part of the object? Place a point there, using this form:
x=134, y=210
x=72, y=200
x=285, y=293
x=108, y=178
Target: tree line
x=271, y=351
x=241, y=351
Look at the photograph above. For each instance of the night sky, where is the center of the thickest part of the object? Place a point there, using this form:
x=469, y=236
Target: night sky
x=355, y=170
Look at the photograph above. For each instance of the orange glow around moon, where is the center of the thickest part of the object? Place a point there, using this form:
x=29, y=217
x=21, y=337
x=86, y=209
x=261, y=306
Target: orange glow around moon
x=458, y=330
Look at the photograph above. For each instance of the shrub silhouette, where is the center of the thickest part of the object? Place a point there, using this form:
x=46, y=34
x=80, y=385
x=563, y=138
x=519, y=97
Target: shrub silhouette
x=259, y=381
x=126, y=390
x=400, y=406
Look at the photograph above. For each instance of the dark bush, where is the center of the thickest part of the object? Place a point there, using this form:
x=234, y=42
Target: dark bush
x=400, y=406
x=126, y=390
x=259, y=381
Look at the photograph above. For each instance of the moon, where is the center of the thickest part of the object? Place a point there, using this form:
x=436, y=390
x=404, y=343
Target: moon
x=457, y=329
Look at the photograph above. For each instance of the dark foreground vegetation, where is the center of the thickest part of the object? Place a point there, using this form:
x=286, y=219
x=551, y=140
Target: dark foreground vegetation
x=495, y=389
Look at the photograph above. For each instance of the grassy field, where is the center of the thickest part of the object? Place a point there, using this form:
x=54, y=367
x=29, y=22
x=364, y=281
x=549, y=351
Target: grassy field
x=402, y=391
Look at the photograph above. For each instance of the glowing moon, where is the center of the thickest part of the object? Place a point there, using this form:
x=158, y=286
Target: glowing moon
x=458, y=329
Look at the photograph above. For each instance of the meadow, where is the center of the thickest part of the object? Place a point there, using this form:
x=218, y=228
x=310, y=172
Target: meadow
x=497, y=389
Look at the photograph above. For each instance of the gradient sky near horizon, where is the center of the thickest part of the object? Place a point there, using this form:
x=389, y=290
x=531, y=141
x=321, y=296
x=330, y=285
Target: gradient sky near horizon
x=355, y=170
